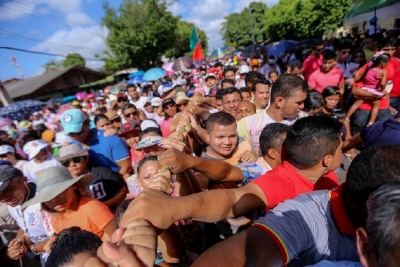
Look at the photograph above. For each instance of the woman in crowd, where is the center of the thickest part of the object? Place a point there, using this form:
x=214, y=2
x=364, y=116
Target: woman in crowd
x=102, y=122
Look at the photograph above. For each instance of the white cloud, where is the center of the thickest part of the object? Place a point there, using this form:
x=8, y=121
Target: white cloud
x=15, y=9
x=79, y=19
x=86, y=41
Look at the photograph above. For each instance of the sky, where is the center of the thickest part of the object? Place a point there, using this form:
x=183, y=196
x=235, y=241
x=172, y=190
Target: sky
x=74, y=26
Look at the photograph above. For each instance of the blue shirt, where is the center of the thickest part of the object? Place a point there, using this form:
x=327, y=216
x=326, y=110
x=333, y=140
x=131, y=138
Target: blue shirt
x=105, y=151
x=382, y=132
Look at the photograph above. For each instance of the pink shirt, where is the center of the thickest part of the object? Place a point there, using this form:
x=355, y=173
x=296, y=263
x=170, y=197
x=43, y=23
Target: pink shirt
x=310, y=65
x=319, y=80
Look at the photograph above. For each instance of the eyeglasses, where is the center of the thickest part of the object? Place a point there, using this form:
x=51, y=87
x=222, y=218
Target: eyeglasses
x=122, y=99
x=67, y=162
x=183, y=104
x=134, y=113
x=166, y=107
x=116, y=120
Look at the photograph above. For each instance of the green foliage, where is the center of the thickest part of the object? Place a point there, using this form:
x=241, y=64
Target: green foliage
x=238, y=28
x=140, y=32
x=289, y=19
x=182, y=37
x=74, y=59
x=52, y=65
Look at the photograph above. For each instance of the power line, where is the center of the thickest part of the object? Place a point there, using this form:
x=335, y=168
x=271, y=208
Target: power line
x=11, y=34
x=42, y=53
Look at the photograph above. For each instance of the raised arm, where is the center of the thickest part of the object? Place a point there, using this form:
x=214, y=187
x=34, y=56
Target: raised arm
x=216, y=170
x=162, y=210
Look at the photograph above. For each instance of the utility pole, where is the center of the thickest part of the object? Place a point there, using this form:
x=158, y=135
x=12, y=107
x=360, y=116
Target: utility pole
x=4, y=96
x=14, y=61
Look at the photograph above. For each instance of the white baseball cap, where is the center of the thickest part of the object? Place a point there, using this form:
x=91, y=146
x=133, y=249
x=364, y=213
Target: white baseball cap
x=33, y=148
x=156, y=102
x=244, y=69
x=4, y=149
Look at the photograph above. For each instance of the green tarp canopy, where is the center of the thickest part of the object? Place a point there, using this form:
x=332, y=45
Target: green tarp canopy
x=361, y=7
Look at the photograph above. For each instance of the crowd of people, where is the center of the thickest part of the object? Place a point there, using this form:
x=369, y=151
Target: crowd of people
x=234, y=162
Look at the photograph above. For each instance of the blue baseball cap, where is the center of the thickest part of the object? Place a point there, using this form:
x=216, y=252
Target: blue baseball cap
x=72, y=120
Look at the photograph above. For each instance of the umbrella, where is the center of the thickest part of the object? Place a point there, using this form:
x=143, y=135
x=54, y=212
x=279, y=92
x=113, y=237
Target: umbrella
x=182, y=63
x=254, y=51
x=220, y=53
x=136, y=80
x=21, y=110
x=69, y=98
x=154, y=74
x=282, y=47
x=5, y=122
x=168, y=66
x=136, y=73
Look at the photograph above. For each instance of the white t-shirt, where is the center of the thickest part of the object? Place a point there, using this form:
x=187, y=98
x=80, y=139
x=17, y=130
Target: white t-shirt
x=250, y=128
x=35, y=222
x=31, y=168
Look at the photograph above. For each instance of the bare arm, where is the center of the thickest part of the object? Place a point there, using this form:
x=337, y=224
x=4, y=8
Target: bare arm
x=171, y=244
x=216, y=170
x=354, y=142
x=126, y=167
x=162, y=210
x=251, y=247
x=362, y=94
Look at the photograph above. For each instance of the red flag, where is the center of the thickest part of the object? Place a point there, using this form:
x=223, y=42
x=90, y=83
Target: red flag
x=198, y=52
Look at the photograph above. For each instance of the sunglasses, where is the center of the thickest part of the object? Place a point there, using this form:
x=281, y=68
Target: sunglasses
x=134, y=113
x=122, y=99
x=67, y=162
x=184, y=104
x=116, y=120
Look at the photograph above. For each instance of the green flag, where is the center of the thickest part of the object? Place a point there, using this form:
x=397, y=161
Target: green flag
x=194, y=39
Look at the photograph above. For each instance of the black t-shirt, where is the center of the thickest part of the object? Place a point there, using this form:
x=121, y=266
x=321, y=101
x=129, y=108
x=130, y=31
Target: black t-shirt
x=105, y=183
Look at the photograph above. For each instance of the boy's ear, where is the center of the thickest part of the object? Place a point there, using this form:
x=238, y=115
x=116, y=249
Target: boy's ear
x=364, y=249
x=272, y=153
x=327, y=161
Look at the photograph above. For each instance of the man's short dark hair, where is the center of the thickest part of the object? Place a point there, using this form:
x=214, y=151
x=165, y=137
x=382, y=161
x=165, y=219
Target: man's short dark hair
x=229, y=68
x=230, y=81
x=310, y=139
x=346, y=44
x=261, y=81
x=373, y=167
x=287, y=85
x=295, y=64
x=231, y=90
x=220, y=118
x=71, y=242
x=220, y=94
x=245, y=90
x=328, y=55
x=127, y=106
x=253, y=75
x=272, y=136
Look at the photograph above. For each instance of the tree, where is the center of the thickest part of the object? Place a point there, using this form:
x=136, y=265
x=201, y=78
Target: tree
x=182, y=39
x=140, y=32
x=74, y=59
x=52, y=65
x=297, y=19
x=239, y=28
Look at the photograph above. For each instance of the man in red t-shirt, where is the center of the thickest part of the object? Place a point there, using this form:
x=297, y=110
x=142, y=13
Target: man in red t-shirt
x=313, y=61
x=393, y=70
x=313, y=148
x=327, y=75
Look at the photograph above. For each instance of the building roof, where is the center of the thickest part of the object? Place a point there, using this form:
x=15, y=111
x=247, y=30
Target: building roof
x=30, y=85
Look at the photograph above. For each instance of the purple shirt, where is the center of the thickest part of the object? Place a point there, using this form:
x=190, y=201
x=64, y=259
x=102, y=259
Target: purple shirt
x=382, y=133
